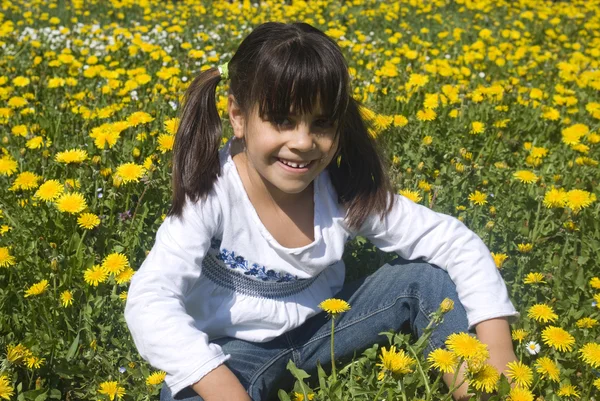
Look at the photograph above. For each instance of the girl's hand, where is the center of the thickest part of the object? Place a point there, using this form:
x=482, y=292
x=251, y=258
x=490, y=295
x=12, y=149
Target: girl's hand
x=221, y=385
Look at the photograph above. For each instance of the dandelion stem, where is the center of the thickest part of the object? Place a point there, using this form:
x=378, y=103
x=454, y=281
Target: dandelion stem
x=333, y=373
x=425, y=378
x=381, y=388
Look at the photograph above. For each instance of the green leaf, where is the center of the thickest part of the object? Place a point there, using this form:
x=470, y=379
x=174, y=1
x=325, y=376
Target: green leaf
x=283, y=396
x=55, y=394
x=73, y=348
x=322, y=376
x=503, y=387
x=297, y=373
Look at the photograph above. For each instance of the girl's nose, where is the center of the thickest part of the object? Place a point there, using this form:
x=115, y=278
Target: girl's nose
x=301, y=138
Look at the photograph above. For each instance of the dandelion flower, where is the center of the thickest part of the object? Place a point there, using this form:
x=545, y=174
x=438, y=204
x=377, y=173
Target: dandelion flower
x=410, y=194
x=115, y=263
x=478, y=198
x=125, y=276
x=466, y=346
x=573, y=134
x=88, y=221
x=7, y=165
x=37, y=288
x=6, y=390
x=172, y=125
x=595, y=283
x=477, y=127
x=49, y=190
x=71, y=156
x=334, y=306
x=165, y=142
x=547, y=368
x=577, y=199
x=6, y=259
x=443, y=360
x=586, y=323
x=590, y=354
x=156, y=378
x=485, y=379
x=95, y=275
x=542, y=313
x=71, y=203
x=525, y=176
x=139, y=117
x=499, y=259
x=130, y=172
x=519, y=334
x=558, y=338
x=66, y=298
x=534, y=278
x=568, y=390
x=555, y=198
x=426, y=115
x=111, y=389
x=520, y=373
x=520, y=394
x=25, y=180
x=525, y=248
x=532, y=347
x=397, y=362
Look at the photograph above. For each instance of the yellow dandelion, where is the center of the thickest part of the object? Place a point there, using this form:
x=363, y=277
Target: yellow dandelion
x=426, y=115
x=478, y=198
x=466, y=346
x=7, y=165
x=172, y=125
x=525, y=248
x=125, y=276
x=25, y=180
x=547, y=368
x=499, y=259
x=525, y=176
x=71, y=156
x=156, y=378
x=130, y=172
x=6, y=390
x=6, y=259
x=534, y=278
x=485, y=379
x=88, y=221
x=165, y=142
x=542, y=313
x=66, y=298
x=577, y=199
x=115, y=263
x=477, y=127
x=334, y=306
x=573, y=134
x=411, y=194
x=568, y=390
x=395, y=361
x=590, y=354
x=37, y=288
x=555, y=198
x=33, y=362
x=112, y=390
x=586, y=323
x=95, y=275
x=519, y=335
x=520, y=394
x=558, y=338
x=139, y=117
x=400, y=120
x=71, y=203
x=49, y=190
x=520, y=373
x=595, y=283
x=443, y=360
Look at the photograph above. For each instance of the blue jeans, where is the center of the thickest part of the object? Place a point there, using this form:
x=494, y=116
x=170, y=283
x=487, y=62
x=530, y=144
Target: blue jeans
x=399, y=296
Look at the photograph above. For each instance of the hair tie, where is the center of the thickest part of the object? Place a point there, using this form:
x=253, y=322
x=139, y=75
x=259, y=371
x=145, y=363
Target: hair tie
x=224, y=71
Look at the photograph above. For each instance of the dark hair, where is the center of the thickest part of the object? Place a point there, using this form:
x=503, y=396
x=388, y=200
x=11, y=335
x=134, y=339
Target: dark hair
x=280, y=67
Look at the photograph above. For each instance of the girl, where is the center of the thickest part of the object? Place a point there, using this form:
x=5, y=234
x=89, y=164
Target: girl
x=255, y=235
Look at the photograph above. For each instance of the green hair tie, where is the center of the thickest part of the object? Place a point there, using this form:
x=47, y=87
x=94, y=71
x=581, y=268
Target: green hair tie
x=224, y=70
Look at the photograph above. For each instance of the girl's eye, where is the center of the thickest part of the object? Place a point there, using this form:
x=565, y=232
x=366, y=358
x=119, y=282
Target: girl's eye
x=280, y=121
x=324, y=123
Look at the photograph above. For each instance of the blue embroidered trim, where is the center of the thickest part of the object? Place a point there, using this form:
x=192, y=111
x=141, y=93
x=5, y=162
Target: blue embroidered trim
x=240, y=263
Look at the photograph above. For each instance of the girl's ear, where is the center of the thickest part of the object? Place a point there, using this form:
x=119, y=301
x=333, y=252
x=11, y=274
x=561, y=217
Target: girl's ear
x=236, y=117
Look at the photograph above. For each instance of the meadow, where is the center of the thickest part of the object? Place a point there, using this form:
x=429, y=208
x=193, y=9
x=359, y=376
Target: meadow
x=486, y=110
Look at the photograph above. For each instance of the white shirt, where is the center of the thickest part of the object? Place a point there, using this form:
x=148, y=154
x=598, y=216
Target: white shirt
x=174, y=311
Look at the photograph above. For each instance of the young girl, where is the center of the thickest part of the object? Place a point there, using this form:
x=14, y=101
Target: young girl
x=254, y=240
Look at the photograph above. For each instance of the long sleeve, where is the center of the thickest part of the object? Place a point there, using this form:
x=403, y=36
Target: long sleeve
x=414, y=231
x=164, y=334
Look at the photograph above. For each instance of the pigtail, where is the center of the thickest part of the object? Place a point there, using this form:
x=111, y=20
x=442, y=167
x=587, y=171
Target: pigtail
x=196, y=149
x=359, y=178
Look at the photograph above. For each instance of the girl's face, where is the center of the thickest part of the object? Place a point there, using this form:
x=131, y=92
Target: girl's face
x=275, y=145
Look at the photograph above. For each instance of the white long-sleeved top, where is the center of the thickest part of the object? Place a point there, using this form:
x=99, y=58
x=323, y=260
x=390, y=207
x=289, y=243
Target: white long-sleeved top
x=173, y=310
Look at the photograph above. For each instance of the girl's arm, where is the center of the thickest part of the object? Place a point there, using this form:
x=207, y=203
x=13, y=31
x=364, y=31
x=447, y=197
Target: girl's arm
x=221, y=385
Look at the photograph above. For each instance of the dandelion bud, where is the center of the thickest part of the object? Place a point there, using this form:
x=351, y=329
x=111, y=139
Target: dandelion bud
x=489, y=225
x=54, y=264
x=447, y=305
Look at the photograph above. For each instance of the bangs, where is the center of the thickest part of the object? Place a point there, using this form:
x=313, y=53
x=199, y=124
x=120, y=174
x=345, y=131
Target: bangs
x=301, y=78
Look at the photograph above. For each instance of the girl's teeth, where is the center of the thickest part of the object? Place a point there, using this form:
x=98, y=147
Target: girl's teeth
x=295, y=165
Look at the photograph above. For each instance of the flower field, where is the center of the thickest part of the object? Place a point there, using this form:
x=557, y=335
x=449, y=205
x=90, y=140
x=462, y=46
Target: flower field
x=486, y=110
